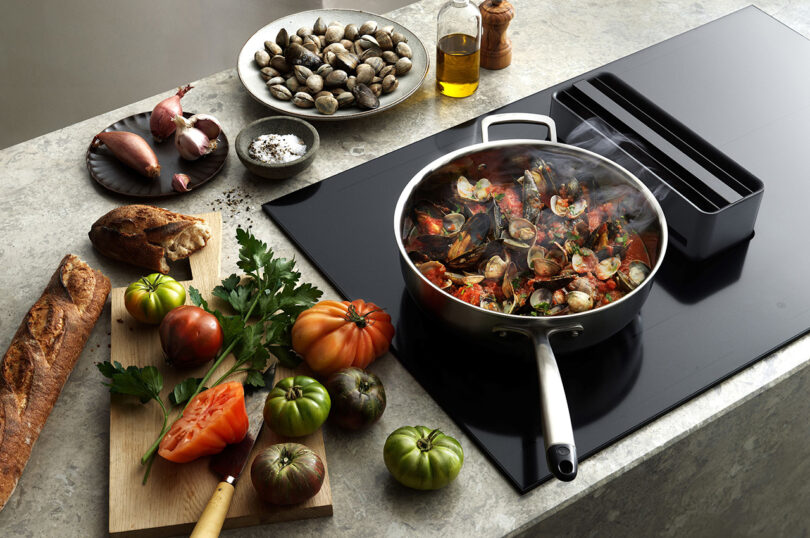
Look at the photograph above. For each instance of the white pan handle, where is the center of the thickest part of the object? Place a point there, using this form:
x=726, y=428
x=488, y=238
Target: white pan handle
x=517, y=117
x=558, y=435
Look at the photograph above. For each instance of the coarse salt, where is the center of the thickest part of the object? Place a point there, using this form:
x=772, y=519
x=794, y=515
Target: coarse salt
x=275, y=149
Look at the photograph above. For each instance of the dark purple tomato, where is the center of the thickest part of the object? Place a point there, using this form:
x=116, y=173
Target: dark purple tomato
x=287, y=473
x=190, y=336
x=358, y=398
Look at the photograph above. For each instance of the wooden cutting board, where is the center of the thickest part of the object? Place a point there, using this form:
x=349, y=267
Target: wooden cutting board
x=175, y=494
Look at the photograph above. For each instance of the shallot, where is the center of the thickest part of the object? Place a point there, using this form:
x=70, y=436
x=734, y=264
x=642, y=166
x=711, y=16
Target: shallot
x=160, y=122
x=191, y=142
x=207, y=124
x=130, y=149
x=180, y=183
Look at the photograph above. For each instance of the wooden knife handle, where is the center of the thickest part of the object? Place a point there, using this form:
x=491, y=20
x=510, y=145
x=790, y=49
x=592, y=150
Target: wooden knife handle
x=212, y=518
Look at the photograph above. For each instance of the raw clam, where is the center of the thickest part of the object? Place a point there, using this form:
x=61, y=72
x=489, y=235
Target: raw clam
x=282, y=38
x=402, y=66
x=351, y=32
x=319, y=28
x=281, y=92
x=398, y=38
x=365, y=97
x=334, y=33
x=390, y=57
x=303, y=100
x=384, y=39
x=376, y=62
x=389, y=84
x=302, y=73
x=315, y=83
x=364, y=73
x=262, y=58
x=336, y=78
x=268, y=72
x=368, y=27
x=345, y=99
x=326, y=104
x=272, y=48
x=403, y=50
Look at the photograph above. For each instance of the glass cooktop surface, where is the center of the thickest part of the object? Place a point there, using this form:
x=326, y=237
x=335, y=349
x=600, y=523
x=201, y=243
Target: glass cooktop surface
x=702, y=321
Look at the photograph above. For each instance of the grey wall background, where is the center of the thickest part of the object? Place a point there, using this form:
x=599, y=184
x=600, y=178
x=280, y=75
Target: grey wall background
x=65, y=61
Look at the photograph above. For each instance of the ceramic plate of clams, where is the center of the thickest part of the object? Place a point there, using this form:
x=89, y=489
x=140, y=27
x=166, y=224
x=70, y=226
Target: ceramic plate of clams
x=332, y=64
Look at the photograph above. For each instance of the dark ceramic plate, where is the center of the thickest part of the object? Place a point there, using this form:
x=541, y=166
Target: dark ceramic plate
x=117, y=177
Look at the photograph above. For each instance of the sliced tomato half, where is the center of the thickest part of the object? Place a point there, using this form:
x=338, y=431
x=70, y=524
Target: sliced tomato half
x=216, y=417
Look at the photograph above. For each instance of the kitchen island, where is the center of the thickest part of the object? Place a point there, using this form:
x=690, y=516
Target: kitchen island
x=705, y=468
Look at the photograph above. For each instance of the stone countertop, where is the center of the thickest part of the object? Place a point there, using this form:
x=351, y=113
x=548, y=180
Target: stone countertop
x=49, y=203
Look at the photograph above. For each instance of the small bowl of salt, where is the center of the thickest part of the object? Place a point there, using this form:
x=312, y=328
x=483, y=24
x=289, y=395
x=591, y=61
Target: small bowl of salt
x=277, y=147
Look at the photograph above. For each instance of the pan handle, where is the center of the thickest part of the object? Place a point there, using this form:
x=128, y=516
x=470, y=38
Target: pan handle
x=558, y=435
x=518, y=117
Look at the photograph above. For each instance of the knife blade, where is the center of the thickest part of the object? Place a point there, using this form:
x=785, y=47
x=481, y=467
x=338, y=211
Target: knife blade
x=229, y=464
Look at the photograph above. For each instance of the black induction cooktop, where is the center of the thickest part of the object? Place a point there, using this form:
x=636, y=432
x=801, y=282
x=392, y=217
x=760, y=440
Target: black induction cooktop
x=741, y=83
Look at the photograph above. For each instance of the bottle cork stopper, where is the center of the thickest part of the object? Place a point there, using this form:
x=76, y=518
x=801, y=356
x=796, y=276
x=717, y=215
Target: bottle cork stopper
x=496, y=48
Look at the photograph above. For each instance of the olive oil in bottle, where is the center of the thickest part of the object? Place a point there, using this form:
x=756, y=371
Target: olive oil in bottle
x=457, y=60
x=458, y=49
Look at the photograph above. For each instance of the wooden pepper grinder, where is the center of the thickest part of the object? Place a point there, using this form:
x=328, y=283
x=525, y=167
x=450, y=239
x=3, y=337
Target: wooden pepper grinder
x=496, y=48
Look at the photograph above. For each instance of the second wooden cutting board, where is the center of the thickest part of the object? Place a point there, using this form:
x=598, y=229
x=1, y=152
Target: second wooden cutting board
x=175, y=494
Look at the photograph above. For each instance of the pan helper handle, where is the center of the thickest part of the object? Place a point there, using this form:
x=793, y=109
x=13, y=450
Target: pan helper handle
x=558, y=436
x=518, y=117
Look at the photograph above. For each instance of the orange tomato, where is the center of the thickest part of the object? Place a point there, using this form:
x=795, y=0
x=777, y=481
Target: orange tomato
x=333, y=335
x=215, y=417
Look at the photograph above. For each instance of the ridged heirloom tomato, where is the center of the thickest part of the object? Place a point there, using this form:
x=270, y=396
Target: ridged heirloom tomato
x=215, y=417
x=150, y=298
x=190, y=336
x=334, y=335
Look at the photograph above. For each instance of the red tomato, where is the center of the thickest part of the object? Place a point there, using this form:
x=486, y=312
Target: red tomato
x=333, y=335
x=215, y=417
x=190, y=336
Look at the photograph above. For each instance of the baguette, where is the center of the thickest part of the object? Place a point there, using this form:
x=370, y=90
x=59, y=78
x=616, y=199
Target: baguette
x=145, y=236
x=40, y=358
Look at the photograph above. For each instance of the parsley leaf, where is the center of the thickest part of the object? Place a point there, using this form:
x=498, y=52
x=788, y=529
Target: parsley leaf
x=144, y=383
x=184, y=390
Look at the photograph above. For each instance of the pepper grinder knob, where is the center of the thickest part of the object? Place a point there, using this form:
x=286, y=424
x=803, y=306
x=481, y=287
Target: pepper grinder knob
x=496, y=48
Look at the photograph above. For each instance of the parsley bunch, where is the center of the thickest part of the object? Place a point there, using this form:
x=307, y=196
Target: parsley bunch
x=265, y=302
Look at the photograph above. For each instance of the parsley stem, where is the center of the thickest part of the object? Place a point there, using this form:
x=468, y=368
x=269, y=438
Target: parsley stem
x=154, y=446
x=211, y=372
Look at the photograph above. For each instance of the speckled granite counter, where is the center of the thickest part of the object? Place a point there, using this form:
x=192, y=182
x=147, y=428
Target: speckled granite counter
x=50, y=202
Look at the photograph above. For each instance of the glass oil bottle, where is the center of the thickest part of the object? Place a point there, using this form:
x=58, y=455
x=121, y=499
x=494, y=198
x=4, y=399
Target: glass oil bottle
x=458, y=48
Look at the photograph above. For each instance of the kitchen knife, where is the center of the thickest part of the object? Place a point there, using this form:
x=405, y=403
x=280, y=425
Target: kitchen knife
x=230, y=463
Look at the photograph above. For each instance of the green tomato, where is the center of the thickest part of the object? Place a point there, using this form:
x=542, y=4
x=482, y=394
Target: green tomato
x=150, y=298
x=422, y=458
x=296, y=406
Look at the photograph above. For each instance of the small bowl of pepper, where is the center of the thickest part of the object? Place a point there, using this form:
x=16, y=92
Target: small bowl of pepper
x=277, y=147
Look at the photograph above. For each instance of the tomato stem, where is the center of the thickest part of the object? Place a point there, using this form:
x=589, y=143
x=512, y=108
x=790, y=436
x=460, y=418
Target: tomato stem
x=359, y=320
x=426, y=443
x=294, y=393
